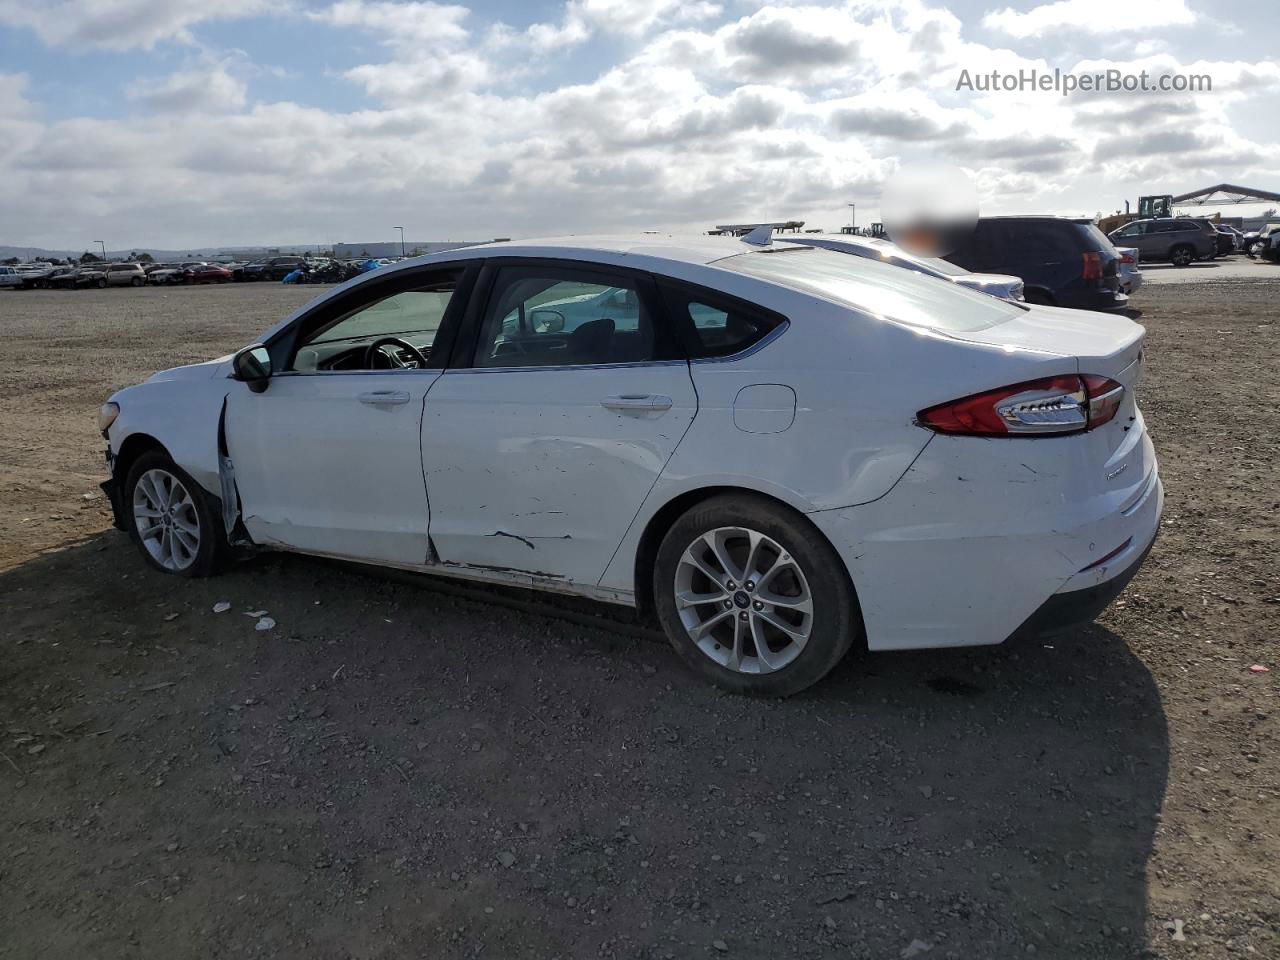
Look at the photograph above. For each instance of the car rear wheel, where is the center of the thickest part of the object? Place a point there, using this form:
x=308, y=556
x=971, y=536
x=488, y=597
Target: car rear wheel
x=137, y=282
x=101, y=284
x=172, y=519
x=752, y=597
x=1181, y=256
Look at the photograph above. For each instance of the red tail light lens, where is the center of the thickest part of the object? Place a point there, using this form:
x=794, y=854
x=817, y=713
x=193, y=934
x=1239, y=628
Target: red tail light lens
x=1092, y=265
x=1127, y=258
x=1052, y=405
x=1105, y=396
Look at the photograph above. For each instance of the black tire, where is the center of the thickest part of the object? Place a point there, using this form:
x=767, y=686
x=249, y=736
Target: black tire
x=213, y=548
x=1181, y=255
x=836, y=621
x=101, y=283
x=137, y=282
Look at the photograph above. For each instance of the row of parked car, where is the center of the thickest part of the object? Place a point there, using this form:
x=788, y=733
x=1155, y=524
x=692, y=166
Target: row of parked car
x=46, y=276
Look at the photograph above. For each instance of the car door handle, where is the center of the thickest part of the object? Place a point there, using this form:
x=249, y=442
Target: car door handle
x=379, y=398
x=637, y=401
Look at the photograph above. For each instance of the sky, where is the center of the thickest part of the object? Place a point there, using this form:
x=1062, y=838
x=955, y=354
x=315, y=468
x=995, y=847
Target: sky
x=195, y=123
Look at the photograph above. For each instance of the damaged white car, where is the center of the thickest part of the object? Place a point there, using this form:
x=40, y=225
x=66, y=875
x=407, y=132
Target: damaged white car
x=781, y=451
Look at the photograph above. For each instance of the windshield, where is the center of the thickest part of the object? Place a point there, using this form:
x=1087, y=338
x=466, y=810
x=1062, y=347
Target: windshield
x=901, y=295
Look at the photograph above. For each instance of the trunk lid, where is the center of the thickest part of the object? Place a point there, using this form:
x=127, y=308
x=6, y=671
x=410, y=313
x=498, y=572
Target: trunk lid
x=1099, y=342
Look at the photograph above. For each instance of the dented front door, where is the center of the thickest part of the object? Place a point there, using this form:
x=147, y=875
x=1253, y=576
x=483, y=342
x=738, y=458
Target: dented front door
x=330, y=463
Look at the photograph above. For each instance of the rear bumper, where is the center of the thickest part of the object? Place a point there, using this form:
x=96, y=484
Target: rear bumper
x=1104, y=300
x=1068, y=609
x=970, y=547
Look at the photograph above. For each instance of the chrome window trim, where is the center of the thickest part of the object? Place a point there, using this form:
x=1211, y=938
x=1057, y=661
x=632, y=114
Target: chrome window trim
x=759, y=345
x=569, y=366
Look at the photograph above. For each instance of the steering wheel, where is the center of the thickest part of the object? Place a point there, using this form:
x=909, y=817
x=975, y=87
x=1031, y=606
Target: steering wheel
x=375, y=350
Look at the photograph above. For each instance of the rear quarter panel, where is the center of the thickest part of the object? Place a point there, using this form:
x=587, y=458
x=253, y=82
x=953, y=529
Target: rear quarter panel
x=859, y=381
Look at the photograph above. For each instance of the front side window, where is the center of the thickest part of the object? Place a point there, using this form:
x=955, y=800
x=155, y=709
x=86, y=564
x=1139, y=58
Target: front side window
x=544, y=317
x=393, y=331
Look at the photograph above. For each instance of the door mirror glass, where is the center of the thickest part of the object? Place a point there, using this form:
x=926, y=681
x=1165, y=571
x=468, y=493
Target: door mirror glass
x=546, y=321
x=252, y=365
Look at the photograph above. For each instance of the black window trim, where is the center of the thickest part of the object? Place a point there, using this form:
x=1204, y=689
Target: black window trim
x=284, y=346
x=668, y=347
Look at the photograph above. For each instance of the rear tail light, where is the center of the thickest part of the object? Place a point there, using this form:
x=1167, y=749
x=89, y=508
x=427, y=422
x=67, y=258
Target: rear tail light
x=1127, y=258
x=1052, y=405
x=1092, y=265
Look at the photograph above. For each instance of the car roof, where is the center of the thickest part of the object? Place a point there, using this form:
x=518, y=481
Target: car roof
x=643, y=251
x=685, y=248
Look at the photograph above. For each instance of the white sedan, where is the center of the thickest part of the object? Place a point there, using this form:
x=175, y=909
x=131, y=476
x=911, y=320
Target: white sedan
x=779, y=450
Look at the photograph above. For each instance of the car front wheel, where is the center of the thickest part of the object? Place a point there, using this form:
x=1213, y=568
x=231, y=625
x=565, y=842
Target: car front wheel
x=172, y=519
x=752, y=597
x=1181, y=256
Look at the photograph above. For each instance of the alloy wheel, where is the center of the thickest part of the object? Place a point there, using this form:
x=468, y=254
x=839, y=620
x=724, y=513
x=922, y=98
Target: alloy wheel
x=166, y=518
x=744, y=600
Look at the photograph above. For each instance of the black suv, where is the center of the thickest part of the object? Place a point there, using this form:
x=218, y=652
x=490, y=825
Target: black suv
x=1063, y=262
x=276, y=268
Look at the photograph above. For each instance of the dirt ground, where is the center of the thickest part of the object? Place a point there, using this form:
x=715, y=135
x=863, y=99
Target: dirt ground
x=393, y=771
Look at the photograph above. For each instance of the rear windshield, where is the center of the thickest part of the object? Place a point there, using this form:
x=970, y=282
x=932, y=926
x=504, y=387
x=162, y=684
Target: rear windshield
x=1098, y=239
x=894, y=293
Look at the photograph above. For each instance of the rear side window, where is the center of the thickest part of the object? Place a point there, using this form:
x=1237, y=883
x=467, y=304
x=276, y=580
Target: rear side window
x=714, y=325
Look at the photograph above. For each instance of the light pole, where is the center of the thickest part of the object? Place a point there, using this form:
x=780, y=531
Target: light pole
x=401, y=229
x=104, y=250
x=853, y=216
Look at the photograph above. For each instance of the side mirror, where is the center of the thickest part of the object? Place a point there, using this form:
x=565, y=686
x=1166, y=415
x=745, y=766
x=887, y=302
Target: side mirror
x=546, y=321
x=252, y=365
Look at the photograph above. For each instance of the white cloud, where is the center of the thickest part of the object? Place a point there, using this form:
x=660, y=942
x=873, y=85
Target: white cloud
x=403, y=25
x=206, y=90
x=121, y=24
x=1091, y=16
x=788, y=111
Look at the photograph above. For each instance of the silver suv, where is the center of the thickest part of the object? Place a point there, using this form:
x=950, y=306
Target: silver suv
x=1176, y=239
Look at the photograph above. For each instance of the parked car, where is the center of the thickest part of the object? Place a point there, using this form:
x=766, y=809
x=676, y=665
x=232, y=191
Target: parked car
x=1269, y=247
x=206, y=273
x=1180, y=240
x=275, y=268
x=1130, y=275
x=126, y=275
x=1225, y=242
x=1062, y=262
x=35, y=276
x=162, y=273
x=780, y=449
x=1236, y=237
x=76, y=278
x=997, y=285
x=11, y=277
x=1259, y=240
